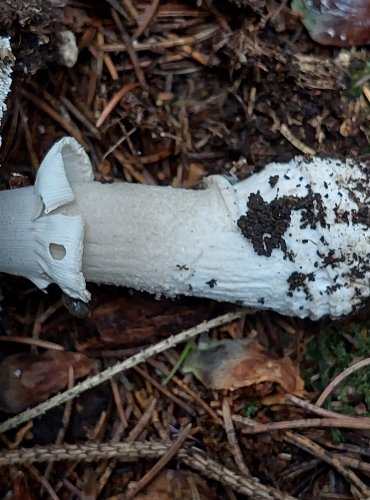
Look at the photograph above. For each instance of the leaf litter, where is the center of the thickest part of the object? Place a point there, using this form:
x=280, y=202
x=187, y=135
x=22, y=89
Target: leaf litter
x=167, y=93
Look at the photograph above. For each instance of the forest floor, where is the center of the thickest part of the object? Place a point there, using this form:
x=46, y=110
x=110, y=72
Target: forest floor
x=167, y=93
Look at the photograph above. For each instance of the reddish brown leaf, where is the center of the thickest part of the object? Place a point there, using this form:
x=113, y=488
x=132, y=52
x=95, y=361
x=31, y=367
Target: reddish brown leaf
x=231, y=364
x=27, y=379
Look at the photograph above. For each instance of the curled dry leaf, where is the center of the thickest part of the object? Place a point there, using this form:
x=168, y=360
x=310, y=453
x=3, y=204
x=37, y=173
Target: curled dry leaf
x=27, y=379
x=231, y=364
x=176, y=485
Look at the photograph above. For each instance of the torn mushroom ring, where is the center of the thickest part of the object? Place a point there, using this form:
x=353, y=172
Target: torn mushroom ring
x=292, y=238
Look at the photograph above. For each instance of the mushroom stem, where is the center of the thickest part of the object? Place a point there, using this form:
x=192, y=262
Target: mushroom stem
x=292, y=238
x=165, y=240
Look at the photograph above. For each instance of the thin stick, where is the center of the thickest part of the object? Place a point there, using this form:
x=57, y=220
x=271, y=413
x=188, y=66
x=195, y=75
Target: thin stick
x=130, y=49
x=346, y=422
x=126, y=89
x=35, y=162
x=120, y=367
x=354, y=463
x=45, y=344
x=155, y=470
x=131, y=9
x=313, y=408
x=339, y=378
x=233, y=441
x=209, y=31
x=118, y=402
x=203, y=404
x=146, y=19
x=142, y=422
x=165, y=391
x=297, y=143
x=65, y=423
x=18, y=437
x=80, y=116
x=43, y=481
x=186, y=388
x=68, y=126
x=44, y=316
x=134, y=434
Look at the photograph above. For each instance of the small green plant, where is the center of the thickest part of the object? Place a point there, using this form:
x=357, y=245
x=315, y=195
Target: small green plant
x=358, y=77
x=251, y=408
x=334, y=349
x=336, y=435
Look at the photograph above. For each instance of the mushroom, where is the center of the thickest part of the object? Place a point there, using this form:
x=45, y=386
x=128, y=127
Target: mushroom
x=291, y=238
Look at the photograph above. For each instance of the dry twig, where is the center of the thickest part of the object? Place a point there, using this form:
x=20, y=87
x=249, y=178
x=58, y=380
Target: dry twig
x=45, y=344
x=165, y=391
x=345, y=422
x=114, y=101
x=65, y=422
x=233, y=441
x=339, y=378
x=313, y=408
x=162, y=462
x=65, y=124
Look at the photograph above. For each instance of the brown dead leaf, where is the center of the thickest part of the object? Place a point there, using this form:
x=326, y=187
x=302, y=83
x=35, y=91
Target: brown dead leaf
x=231, y=364
x=27, y=379
x=176, y=485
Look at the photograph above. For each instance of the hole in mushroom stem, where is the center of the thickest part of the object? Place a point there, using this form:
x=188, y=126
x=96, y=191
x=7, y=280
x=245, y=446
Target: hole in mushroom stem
x=58, y=252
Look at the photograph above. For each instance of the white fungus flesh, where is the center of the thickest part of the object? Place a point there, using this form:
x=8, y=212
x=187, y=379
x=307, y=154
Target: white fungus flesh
x=292, y=238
